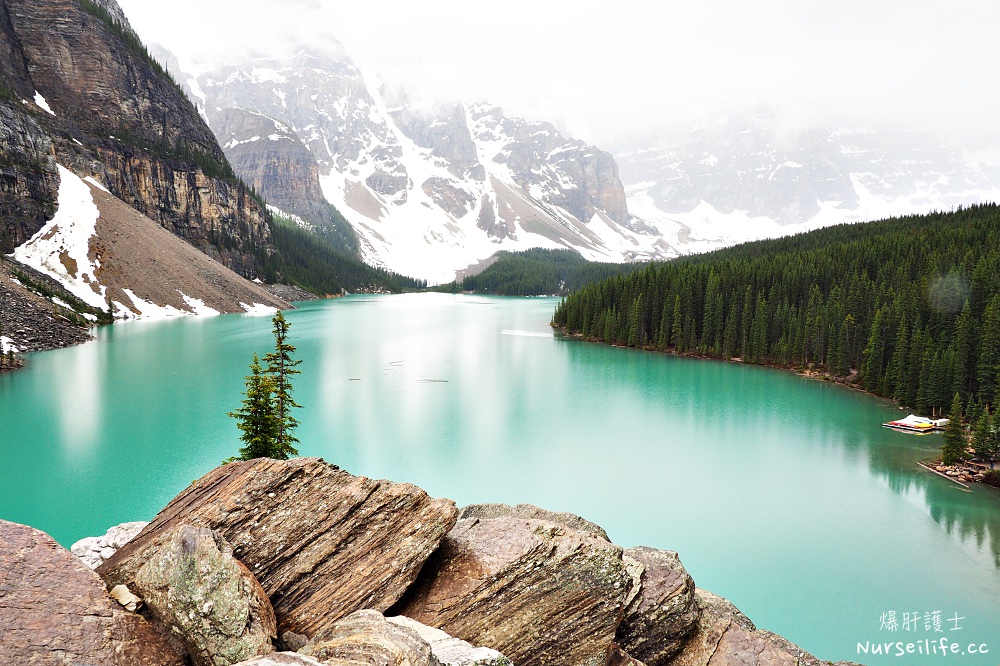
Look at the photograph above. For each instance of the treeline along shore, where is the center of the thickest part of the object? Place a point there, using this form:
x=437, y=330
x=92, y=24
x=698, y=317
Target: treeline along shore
x=906, y=308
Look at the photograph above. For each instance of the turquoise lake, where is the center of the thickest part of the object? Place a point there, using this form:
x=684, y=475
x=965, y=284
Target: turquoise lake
x=780, y=493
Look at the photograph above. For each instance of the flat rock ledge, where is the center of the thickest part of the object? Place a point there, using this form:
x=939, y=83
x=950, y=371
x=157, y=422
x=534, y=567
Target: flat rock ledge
x=322, y=543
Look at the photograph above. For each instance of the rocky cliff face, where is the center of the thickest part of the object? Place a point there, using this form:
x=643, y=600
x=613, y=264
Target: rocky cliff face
x=271, y=158
x=28, y=178
x=108, y=110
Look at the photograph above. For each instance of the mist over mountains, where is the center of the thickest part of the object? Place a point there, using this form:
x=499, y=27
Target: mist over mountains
x=431, y=186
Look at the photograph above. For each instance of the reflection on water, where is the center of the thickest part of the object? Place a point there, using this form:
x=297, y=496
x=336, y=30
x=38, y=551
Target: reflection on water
x=78, y=392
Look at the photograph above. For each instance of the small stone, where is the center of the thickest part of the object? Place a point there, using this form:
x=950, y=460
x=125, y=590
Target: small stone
x=124, y=596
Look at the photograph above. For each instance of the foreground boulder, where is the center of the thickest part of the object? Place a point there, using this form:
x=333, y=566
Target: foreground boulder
x=54, y=610
x=451, y=651
x=366, y=637
x=570, y=520
x=205, y=596
x=661, y=609
x=536, y=590
x=93, y=551
x=726, y=636
x=322, y=543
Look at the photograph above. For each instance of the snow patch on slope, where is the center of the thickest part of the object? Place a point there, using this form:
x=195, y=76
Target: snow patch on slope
x=7, y=346
x=42, y=104
x=258, y=309
x=61, y=249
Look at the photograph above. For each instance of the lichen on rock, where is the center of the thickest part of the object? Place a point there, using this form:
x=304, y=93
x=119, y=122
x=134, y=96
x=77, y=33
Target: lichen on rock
x=195, y=586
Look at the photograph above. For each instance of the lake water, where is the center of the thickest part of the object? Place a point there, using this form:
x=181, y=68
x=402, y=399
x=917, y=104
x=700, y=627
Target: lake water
x=780, y=493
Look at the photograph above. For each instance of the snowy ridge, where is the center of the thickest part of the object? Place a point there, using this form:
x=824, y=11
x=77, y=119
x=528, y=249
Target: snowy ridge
x=751, y=178
x=433, y=188
x=7, y=346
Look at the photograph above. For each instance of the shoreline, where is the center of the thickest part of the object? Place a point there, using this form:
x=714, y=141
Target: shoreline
x=808, y=373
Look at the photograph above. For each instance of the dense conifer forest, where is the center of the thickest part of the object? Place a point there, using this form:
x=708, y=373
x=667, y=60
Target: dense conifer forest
x=537, y=272
x=909, y=308
x=309, y=261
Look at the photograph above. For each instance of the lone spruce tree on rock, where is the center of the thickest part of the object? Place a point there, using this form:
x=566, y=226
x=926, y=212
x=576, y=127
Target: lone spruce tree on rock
x=280, y=367
x=264, y=416
x=255, y=417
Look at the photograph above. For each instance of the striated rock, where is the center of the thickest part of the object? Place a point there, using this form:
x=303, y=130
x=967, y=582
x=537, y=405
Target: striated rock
x=661, y=609
x=281, y=659
x=536, y=590
x=570, y=520
x=29, y=180
x=366, y=637
x=451, y=651
x=725, y=636
x=54, y=610
x=322, y=543
x=93, y=551
x=195, y=586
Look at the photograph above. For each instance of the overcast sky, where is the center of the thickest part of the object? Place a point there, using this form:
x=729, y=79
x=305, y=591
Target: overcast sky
x=604, y=69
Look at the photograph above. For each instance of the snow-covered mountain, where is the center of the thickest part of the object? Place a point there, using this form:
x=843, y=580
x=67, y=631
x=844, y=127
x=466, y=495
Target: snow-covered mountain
x=754, y=177
x=429, y=188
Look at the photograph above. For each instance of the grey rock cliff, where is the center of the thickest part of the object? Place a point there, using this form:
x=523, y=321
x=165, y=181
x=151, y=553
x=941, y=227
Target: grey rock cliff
x=118, y=116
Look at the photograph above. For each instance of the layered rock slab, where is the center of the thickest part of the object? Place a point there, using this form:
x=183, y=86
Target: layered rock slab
x=211, y=601
x=54, y=610
x=570, y=520
x=323, y=543
x=535, y=590
x=724, y=636
x=661, y=609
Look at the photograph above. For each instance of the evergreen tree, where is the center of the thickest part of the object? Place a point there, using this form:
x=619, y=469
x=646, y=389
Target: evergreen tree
x=280, y=368
x=256, y=417
x=955, y=444
x=982, y=435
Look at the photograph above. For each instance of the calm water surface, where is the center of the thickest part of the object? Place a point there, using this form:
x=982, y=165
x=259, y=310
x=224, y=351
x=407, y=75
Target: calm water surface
x=780, y=493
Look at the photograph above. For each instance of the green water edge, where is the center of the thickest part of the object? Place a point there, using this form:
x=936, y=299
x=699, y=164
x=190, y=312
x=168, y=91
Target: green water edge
x=781, y=493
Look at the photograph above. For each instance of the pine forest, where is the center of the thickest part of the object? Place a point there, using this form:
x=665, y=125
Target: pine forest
x=908, y=308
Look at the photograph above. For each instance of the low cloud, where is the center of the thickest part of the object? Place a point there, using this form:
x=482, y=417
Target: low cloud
x=633, y=66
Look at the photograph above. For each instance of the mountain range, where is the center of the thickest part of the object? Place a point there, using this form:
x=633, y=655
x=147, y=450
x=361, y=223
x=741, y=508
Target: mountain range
x=429, y=188
x=432, y=187
x=295, y=167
